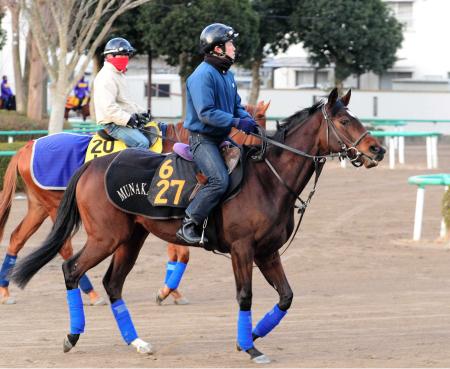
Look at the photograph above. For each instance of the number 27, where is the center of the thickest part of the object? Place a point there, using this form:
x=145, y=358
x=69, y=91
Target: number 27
x=165, y=184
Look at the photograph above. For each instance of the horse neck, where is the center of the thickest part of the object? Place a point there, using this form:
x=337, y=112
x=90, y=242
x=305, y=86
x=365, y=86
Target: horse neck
x=294, y=169
x=175, y=133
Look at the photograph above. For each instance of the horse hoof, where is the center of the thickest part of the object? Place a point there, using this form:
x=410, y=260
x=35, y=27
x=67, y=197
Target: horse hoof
x=99, y=302
x=262, y=359
x=142, y=347
x=181, y=301
x=256, y=356
x=8, y=300
x=67, y=346
x=159, y=299
x=70, y=341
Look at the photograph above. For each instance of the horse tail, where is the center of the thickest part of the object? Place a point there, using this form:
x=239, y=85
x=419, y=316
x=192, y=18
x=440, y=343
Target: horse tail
x=67, y=223
x=9, y=189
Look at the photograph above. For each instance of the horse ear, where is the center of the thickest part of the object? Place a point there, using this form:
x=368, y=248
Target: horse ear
x=332, y=97
x=265, y=107
x=346, y=98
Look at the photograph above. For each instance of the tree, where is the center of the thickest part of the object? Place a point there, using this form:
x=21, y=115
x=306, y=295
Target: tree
x=275, y=35
x=356, y=36
x=64, y=32
x=14, y=9
x=37, y=83
x=172, y=29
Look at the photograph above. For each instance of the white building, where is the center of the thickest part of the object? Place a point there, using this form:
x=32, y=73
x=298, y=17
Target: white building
x=423, y=60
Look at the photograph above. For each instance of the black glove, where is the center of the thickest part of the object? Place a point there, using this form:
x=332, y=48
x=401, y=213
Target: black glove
x=133, y=122
x=147, y=116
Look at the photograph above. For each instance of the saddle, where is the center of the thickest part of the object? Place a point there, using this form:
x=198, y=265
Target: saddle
x=162, y=186
x=103, y=144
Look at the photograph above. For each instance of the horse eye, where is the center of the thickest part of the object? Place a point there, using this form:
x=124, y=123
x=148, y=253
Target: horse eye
x=345, y=121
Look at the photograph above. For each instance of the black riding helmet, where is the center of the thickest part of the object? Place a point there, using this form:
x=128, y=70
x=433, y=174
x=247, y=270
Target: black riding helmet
x=216, y=34
x=119, y=46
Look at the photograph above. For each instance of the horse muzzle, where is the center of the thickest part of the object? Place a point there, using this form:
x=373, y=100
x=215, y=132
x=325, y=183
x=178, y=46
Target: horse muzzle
x=376, y=155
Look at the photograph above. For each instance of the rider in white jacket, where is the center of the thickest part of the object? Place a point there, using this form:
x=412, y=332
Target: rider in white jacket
x=118, y=115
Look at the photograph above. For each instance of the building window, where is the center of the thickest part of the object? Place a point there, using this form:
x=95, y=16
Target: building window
x=387, y=78
x=305, y=78
x=158, y=90
x=403, y=11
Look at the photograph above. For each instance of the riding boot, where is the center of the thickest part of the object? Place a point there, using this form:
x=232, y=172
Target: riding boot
x=188, y=232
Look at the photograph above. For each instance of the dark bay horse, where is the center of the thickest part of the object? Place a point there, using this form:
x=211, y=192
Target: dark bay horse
x=252, y=226
x=44, y=203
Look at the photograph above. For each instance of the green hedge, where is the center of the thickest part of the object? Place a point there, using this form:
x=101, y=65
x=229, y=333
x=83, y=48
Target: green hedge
x=12, y=121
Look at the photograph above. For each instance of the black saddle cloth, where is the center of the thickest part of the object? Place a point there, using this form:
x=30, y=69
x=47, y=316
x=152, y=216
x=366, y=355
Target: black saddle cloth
x=129, y=176
x=128, y=185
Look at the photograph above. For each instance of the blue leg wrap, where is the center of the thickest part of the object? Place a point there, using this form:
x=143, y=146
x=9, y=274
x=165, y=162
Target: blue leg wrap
x=85, y=284
x=76, y=311
x=170, y=267
x=269, y=321
x=244, y=336
x=124, y=321
x=176, y=276
x=8, y=264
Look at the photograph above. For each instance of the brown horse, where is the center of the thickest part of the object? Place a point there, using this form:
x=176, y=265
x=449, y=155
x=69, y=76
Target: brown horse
x=252, y=226
x=44, y=203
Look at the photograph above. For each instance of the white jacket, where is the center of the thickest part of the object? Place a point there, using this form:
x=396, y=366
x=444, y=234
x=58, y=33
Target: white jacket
x=110, y=100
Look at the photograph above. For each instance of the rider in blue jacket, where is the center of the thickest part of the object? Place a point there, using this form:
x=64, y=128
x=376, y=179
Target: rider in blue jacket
x=213, y=108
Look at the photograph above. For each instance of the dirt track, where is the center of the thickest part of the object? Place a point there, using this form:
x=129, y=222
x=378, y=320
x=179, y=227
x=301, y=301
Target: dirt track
x=365, y=295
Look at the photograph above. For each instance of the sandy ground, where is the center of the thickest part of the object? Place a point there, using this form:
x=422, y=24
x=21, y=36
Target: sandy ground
x=365, y=294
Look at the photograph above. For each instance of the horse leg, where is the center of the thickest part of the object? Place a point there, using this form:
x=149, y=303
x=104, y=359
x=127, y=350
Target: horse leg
x=66, y=252
x=93, y=252
x=272, y=270
x=242, y=261
x=175, y=267
x=113, y=281
x=28, y=226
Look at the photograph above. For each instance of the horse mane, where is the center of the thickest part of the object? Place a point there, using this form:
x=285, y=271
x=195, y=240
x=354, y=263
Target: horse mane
x=295, y=119
x=300, y=116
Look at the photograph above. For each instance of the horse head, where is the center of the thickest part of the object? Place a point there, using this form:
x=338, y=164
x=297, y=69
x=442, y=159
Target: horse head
x=346, y=134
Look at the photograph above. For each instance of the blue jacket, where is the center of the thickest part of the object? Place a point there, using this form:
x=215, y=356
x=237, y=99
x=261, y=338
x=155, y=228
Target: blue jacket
x=213, y=104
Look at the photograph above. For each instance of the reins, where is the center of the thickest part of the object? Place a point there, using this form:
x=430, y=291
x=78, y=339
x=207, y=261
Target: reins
x=319, y=161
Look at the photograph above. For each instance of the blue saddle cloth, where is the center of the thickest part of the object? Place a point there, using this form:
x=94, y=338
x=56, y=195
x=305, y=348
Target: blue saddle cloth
x=56, y=157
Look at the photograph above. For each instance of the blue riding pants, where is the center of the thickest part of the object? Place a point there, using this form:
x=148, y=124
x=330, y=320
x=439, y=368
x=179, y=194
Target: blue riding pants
x=208, y=159
x=132, y=137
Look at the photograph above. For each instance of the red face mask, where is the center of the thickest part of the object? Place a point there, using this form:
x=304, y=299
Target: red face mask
x=120, y=63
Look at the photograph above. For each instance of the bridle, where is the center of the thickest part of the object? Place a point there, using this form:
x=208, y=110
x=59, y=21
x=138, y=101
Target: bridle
x=319, y=161
x=346, y=149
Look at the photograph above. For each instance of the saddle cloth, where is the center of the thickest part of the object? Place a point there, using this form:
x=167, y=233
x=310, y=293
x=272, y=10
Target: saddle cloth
x=56, y=157
x=156, y=186
x=129, y=187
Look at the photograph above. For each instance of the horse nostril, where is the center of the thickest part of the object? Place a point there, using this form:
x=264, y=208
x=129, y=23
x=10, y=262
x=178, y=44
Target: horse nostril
x=374, y=149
